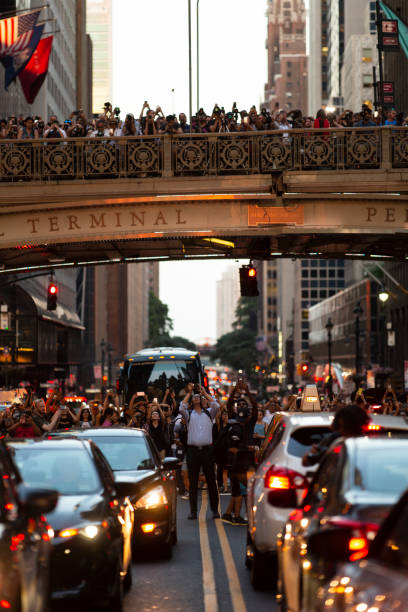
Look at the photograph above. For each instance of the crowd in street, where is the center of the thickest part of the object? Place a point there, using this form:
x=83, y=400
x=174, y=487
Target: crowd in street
x=196, y=427
x=153, y=122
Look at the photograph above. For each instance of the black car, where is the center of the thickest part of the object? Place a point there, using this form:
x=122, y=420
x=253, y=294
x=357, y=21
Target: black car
x=379, y=583
x=91, y=554
x=25, y=540
x=133, y=457
x=354, y=488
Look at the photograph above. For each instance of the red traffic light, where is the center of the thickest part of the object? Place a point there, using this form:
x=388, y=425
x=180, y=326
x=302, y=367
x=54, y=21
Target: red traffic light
x=248, y=281
x=52, y=297
x=304, y=368
x=252, y=272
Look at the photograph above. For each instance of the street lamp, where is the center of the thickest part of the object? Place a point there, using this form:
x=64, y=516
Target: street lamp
x=358, y=311
x=329, y=328
x=198, y=55
x=103, y=346
x=383, y=296
x=190, y=91
x=109, y=349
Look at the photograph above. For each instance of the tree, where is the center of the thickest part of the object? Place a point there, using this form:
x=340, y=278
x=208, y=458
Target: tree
x=160, y=324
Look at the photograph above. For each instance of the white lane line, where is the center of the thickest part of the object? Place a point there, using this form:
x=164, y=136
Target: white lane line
x=209, y=588
x=237, y=598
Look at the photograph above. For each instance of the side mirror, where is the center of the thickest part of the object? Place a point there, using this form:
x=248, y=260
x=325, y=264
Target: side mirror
x=330, y=544
x=35, y=502
x=171, y=463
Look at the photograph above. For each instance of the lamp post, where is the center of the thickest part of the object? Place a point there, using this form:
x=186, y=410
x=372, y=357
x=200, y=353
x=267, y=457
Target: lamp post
x=198, y=54
x=109, y=349
x=358, y=311
x=103, y=346
x=190, y=91
x=329, y=328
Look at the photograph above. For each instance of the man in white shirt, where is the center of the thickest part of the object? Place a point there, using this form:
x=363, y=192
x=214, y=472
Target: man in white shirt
x=199, y=422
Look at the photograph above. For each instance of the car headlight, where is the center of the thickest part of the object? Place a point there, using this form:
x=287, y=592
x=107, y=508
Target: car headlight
x=152, y=499
x=90, y=532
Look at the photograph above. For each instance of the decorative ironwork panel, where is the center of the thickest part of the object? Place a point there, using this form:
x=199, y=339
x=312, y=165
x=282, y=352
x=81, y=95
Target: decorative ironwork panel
x=143, y=156
x=276, y=152
x=101, y=158
x=58, y=159
x=16, y=160
x=233, y=153
x=191, y=155
x=318, y=150
x=399, y=140
x=363, y=149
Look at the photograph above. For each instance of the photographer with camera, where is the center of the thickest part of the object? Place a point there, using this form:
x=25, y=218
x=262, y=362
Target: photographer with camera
x=171, y=127
x=28, y=131
x=240, y=448
x=131, y=127
x=184, y=126
x=199, y=421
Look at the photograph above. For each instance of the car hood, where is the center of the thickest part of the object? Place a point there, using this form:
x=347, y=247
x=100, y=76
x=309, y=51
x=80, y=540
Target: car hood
x=75, y=510
x=134, y=475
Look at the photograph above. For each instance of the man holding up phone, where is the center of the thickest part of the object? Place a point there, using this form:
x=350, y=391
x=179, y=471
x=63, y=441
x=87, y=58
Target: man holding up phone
x=199, y=421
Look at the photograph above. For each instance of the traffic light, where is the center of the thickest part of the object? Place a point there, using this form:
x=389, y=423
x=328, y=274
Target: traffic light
x=305, y=368
x=248, y=280
x=52, y=296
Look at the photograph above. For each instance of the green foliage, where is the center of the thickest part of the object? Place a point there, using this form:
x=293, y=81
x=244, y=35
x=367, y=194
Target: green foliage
x=160, y=324
x=237, y=349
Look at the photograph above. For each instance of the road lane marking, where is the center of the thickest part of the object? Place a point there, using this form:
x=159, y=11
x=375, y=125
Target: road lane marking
x=237, y=598
x=209, y=587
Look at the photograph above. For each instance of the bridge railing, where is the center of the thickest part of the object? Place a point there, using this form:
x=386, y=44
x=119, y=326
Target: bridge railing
x=204, y=154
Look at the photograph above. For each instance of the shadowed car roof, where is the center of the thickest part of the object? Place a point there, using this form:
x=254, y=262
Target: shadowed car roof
x=103, y=431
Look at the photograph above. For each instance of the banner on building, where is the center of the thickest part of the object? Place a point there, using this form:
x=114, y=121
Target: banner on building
x=33, y=75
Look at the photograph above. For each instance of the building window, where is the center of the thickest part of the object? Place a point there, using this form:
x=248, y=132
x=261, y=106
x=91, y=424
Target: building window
x=305, y=335
x=305, y=346
x=305, y=324
x=305, y=294
x=305, y=263
x=305, y=284
x=367, y=80
x=313, y=294
x=313, y=274
x=305, y=273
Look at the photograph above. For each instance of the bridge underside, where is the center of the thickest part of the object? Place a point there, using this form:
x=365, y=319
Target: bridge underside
x=223, y=246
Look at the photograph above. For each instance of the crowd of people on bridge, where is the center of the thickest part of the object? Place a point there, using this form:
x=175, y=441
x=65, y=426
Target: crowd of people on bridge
x=216, y=441
x=152, y=122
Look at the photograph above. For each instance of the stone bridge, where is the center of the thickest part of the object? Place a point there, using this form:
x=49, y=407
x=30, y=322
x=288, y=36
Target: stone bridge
x=299, y=193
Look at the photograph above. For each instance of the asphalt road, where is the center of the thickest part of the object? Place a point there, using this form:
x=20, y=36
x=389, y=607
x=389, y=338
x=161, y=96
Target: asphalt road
x=206, y=574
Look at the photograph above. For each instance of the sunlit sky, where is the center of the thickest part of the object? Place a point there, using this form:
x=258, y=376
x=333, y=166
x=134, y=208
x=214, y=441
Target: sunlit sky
x=150, y=42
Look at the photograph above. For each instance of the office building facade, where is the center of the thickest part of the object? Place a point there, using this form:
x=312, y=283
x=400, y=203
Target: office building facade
x=228, y=293
x=99, y=27
x=287, y=62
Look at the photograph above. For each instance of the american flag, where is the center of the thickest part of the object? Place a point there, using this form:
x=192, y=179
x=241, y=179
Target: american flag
x=15, y=32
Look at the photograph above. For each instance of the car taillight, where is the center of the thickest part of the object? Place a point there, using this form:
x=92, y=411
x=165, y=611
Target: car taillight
x=372, y=427
x=286, y=487
x=361, y=535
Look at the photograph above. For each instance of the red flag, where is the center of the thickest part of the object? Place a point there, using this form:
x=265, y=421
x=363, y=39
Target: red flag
x=33, y=75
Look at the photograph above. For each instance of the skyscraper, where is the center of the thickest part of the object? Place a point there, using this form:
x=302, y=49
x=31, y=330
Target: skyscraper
x=99, y=26
x=287, y=62
x=227, y=299
x=68, y=71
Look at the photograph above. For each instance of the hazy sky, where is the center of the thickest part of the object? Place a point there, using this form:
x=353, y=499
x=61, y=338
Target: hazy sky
x=150, y=42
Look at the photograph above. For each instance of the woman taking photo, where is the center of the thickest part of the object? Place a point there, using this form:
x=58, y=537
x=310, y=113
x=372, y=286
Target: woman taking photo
x=156, y=428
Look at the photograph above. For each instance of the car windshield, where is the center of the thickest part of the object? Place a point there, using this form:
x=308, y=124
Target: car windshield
x=381, y=470
x=126, y=452
x=70, y=471
x=303, y=438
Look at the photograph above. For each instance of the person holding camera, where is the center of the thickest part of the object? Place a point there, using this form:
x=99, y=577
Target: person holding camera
x=199, y=421
x=101, y=129
x=28, y=131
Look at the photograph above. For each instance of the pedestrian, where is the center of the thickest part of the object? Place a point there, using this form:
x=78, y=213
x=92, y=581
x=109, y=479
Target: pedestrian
x=156, y=428
x=200, y=454
x=220, y=452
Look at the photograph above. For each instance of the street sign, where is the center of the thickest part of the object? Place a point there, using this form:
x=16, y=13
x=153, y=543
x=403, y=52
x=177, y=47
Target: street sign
x=4, y=321
x=389, y=35
x=388, y=87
